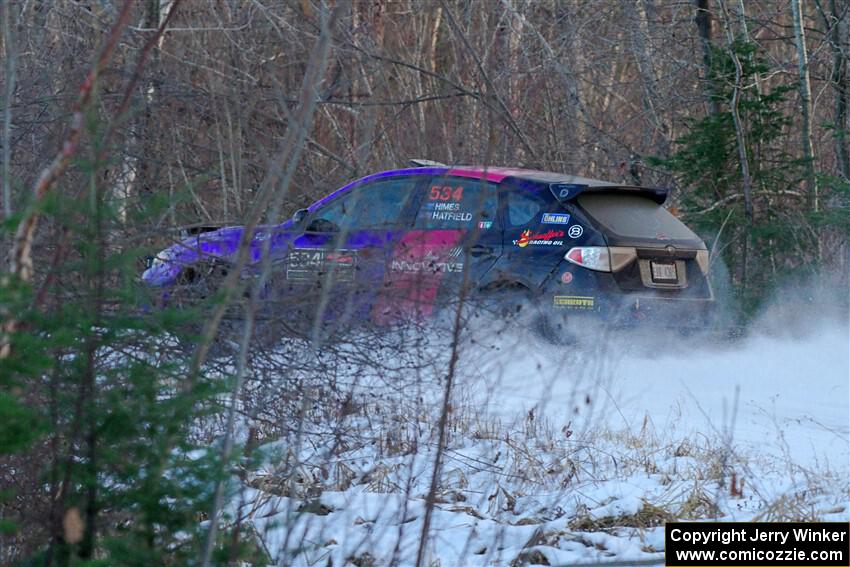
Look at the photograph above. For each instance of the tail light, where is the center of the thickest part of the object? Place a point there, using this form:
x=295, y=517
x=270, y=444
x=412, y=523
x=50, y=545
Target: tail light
x=601, y=258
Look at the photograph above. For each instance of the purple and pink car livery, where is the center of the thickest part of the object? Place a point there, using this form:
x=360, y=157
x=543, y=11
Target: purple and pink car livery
x=403, y=242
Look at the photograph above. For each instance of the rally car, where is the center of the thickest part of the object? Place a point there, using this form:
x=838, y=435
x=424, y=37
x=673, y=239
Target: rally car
x=408, y=242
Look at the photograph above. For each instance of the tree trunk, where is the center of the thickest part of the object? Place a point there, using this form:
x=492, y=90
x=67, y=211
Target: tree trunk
x=741, y=142
x=145, y=127
x=835, y=23
x=704, y=28
x=650, y=81
x=837, y=26
x=740, y=134
x=8, y=98
x=806, y=100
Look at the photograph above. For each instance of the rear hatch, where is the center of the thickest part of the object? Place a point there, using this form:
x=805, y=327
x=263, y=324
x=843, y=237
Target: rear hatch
x=655, y=250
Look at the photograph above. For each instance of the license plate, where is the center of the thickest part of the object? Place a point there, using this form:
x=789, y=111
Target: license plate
x=663, y=272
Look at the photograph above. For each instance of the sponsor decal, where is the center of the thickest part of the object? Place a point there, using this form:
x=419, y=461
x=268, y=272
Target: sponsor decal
x=443, y=206
x=524, y=239
x=446, y=212
x=431, y=263
x=485, y=224
x=309, y=263
x=575, y=231
x=445, y=193
x=555, y=218
x=458, y=217
x=303, y=264
x=341, y=257
x=565, y=190
x=566, y=277
x=574, y=302
x=456, y=252
x=540, y=239
x=413, y=293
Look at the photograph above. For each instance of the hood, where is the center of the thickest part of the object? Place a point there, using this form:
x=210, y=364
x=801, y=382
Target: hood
x=222, y=244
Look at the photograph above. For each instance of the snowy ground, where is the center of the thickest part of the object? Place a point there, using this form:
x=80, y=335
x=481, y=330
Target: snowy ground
x=556, y=455
x=769, y=395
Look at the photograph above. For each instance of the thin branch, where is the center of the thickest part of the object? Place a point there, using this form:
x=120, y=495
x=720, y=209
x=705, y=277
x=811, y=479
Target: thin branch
x=505, y=111
x=137, y=72
x=726, y=200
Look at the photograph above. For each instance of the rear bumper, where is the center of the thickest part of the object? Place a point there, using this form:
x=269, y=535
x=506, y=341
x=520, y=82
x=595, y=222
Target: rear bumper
x=632, y=295
x=598, y=295
x=668, y=312
x=634, y=310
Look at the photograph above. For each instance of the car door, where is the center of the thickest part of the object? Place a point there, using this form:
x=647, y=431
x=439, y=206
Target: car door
x=537, y=231
x=337, y=265
x=456, y=238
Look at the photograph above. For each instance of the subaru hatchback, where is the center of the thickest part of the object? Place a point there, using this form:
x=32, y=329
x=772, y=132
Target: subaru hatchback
x=407, y=242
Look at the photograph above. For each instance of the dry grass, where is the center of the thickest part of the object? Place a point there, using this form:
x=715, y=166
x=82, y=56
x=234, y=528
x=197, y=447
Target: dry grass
x=649, y=516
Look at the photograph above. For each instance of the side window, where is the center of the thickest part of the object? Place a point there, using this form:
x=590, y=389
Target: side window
x=374, y=205
x=522, y=208
x=335, y=213
x=383, y=203
x=452, y=202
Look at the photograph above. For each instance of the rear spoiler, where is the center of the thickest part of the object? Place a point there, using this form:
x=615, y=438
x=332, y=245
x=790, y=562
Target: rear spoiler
x=568, y=191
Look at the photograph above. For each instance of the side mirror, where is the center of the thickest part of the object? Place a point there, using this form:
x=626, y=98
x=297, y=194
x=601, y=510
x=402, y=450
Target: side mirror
x=299, y=216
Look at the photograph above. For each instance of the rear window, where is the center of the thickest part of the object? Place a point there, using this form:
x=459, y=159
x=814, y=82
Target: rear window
x=631, y=216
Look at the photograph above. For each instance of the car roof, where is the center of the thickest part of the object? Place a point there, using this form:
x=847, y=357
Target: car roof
x=488, y=173
x=494, y=174
x=498, y=174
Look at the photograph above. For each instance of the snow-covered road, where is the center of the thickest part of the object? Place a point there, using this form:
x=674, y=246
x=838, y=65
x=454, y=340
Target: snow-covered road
x=775, y=395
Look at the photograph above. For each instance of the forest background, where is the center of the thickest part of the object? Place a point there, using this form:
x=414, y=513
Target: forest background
x=122, y=122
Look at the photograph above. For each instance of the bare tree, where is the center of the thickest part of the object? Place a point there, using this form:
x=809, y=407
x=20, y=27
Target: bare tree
x=835, y=21
x=645, y=61
x=740, y=132
x=704, y=24
x=10, y=56
x=806, y=100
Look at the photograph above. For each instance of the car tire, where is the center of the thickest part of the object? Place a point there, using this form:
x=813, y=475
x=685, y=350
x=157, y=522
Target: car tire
x=503, y=299
x=554, y=328
x=518, y=306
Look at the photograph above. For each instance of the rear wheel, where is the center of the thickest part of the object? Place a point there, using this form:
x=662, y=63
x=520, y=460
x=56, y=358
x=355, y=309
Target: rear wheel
x=557, y=328
x=503, y=300
x=518, y=307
